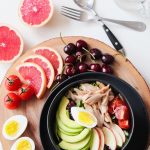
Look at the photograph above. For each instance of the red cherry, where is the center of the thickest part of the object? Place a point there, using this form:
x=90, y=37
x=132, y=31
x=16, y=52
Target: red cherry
x=95, y=67
x=107, y=59
x=70, y=59
x=107, y=69
x=82, y=67
x=70, y=49
x=80, y=44
x=70, y=71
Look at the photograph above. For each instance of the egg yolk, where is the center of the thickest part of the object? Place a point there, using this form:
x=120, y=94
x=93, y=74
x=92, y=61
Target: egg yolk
x=12, y=128
x=86, y=118
x=24, y=145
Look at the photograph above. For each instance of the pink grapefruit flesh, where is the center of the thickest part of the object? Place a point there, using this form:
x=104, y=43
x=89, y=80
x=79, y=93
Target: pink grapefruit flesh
x=45, y=65
x=35, y=76
x=53, y=56
x=11, y=44
x=36, y=13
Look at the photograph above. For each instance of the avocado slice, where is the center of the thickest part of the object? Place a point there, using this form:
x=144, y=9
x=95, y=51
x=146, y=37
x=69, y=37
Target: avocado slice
x=76, y=138
x=63, y=115
x=75, y=146
x=61, y=126
x=87, y=147
x=68, y=133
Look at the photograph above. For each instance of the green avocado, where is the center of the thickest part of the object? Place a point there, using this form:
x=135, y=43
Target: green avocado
x=63, y=115
x=68, y=133
x=86, y=147
x=76, y=138
x=61, y=126
x=75, y=146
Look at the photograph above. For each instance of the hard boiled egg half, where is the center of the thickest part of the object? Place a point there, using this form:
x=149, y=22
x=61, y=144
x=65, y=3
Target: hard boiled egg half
x=83, y=117
x=24, y=143
x=14, y=127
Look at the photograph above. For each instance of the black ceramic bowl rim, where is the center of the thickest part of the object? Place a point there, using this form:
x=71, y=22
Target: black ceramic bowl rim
x=72, y=84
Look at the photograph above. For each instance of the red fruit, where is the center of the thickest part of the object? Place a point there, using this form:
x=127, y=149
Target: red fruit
x=45, y=65
x=12, y=101
x=26, y=92
x=11, y=44
x=35, y=75
x=114, y=104
x=70, y=59
x=81, y=56
x=36, y=13
x=61, y=77
x=122, y=113
x=96, y=53
x=95, y=67
x=12, y=83
x=70, y=49
x=107, y=69
x=81, y=45
x=124, y=124
x=70, y=71
x=107, y=59
x=53, y=56
x=82, y=67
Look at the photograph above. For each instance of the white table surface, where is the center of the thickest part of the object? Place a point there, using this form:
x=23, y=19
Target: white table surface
x=137, y=44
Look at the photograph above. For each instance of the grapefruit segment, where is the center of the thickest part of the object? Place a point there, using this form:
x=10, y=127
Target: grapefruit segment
x=53, y=56
x=45, y=65
x=34, y=75
x=36, y=13
x=11, y=44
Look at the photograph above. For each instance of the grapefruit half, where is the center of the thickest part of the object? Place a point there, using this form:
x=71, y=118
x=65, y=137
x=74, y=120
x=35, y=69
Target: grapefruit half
x=36, y=13
x=53, y=56
x=11, y=44
x=34, y=75
x=45, y=65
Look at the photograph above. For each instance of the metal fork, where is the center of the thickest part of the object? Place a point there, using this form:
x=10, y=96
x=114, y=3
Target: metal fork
x=85, y=16
x=82, y=16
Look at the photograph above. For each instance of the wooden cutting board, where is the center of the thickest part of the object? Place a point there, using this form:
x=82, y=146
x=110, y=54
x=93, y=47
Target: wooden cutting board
x=32, y=109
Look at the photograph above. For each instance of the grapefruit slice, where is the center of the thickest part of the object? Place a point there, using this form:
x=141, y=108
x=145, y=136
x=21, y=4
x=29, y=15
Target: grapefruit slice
x=53, y=56
x=36, y=13
x=45, y=65
x=11, y=44
x=34, y=75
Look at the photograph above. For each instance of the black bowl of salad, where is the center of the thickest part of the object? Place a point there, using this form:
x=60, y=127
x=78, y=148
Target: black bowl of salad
x=91, y=113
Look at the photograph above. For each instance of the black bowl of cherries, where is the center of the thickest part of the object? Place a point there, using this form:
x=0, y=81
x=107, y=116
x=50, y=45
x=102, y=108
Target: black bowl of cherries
x=81, y=59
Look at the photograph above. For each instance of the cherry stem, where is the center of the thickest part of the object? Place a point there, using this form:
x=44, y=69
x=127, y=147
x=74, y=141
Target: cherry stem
x=62, y=39
x=88, y=52
x=80, y=57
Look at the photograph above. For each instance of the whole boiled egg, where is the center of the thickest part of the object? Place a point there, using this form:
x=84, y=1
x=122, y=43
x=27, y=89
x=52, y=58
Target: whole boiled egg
x=14, y=127
x=83, y=117
x=23, y=143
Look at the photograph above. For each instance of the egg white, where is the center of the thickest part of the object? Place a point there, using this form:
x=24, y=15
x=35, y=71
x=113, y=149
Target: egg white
x=22, y=120
x=75, y=112
x=23, y=138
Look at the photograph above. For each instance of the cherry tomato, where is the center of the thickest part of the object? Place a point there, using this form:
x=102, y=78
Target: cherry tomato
x=122, y=112
x=124, y=124
x=12, y=101
x=25, y=92
x=114, y=104
x=12, y=83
